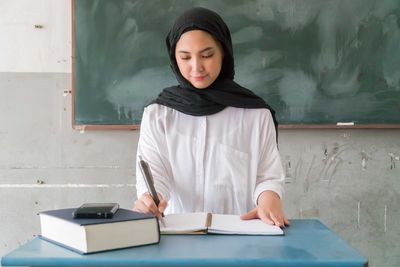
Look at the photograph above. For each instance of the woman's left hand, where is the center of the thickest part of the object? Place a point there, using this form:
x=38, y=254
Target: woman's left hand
x=269, y=210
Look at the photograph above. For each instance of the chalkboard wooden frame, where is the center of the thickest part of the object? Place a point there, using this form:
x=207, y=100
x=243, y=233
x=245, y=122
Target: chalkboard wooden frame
x=283, y=125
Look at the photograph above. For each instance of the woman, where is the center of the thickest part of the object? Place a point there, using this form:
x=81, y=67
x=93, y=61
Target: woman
x=211, y=143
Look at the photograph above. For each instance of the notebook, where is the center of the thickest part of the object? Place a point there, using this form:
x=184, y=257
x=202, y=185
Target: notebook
x=203, y=223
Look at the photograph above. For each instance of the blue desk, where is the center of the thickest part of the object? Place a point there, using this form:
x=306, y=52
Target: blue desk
x=306, y=243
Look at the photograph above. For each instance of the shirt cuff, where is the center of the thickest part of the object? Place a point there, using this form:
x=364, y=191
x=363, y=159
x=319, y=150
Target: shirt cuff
x=268, y=186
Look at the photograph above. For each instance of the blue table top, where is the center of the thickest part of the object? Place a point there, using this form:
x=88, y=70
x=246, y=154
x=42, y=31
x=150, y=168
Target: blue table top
x=305, y=243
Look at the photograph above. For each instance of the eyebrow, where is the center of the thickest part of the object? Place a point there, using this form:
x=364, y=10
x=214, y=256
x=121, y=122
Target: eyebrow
x=201, y=51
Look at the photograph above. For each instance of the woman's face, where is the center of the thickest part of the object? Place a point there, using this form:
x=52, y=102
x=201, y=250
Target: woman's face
x=199, y=57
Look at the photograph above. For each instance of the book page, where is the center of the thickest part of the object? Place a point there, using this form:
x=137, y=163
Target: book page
x=232, y=224
x=184, y=223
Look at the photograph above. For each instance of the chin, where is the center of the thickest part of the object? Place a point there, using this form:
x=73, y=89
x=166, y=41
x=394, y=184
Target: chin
x=200, y=86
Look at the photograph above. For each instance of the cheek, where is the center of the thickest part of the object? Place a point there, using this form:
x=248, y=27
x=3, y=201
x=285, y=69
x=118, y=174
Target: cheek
x=215, y=68
x=183, y=68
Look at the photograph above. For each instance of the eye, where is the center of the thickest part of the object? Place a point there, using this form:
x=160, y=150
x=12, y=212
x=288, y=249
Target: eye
x=208, y=55
x=185, y=58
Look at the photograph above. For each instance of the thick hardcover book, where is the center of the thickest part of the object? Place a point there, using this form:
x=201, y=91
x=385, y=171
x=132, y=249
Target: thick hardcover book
x=126, y=228
x=203, y=223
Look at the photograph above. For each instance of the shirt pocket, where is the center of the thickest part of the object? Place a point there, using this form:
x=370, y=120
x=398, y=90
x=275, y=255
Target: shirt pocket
x=228, y=180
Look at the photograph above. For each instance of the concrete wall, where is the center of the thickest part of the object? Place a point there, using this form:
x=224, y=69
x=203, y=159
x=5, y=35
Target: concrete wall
x=349, y=179
x=35, y=36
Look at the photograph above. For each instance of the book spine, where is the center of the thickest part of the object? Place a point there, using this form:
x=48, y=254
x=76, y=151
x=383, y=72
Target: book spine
x=209, y=220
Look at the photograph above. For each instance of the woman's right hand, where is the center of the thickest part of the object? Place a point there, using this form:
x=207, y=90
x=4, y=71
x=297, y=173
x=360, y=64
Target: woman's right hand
x=145, y=204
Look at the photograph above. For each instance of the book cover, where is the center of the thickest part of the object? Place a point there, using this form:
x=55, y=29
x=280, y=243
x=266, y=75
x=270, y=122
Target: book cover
x=120, y=215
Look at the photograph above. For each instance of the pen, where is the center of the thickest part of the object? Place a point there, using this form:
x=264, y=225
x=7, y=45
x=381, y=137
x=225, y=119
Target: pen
x=148, y=177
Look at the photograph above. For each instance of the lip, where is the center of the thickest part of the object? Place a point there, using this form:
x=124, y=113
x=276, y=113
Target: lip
x=198, y=78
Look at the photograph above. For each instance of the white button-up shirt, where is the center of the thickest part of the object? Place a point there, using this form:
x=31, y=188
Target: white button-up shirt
x=217, y=163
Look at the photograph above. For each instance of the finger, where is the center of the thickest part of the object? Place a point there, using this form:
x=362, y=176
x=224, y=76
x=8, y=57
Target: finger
x=281, y=218
x=149, y=202
x=162, y=206
x=264, y=216
x=286, y=221
x=277, y=219
x=250, y=215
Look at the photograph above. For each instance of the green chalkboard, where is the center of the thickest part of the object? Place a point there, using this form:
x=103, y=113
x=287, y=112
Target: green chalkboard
x=316, y=62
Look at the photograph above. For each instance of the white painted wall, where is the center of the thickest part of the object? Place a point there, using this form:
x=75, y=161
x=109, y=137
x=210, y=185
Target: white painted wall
x=25, y=48
x=349, y=179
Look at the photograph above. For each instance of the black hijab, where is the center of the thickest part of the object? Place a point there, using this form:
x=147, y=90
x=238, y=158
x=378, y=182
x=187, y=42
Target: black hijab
x=224, y=91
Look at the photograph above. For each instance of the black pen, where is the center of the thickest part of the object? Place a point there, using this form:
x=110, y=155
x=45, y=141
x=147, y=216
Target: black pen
x=148, y=177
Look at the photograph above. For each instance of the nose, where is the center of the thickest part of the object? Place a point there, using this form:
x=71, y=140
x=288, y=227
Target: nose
x=197, y=64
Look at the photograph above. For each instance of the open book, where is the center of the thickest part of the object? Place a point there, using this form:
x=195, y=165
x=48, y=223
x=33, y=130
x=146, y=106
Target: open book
x=202, y=223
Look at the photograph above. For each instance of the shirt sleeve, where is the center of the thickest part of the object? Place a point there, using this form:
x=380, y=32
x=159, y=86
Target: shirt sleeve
x=150, y=148
x=270, y=173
